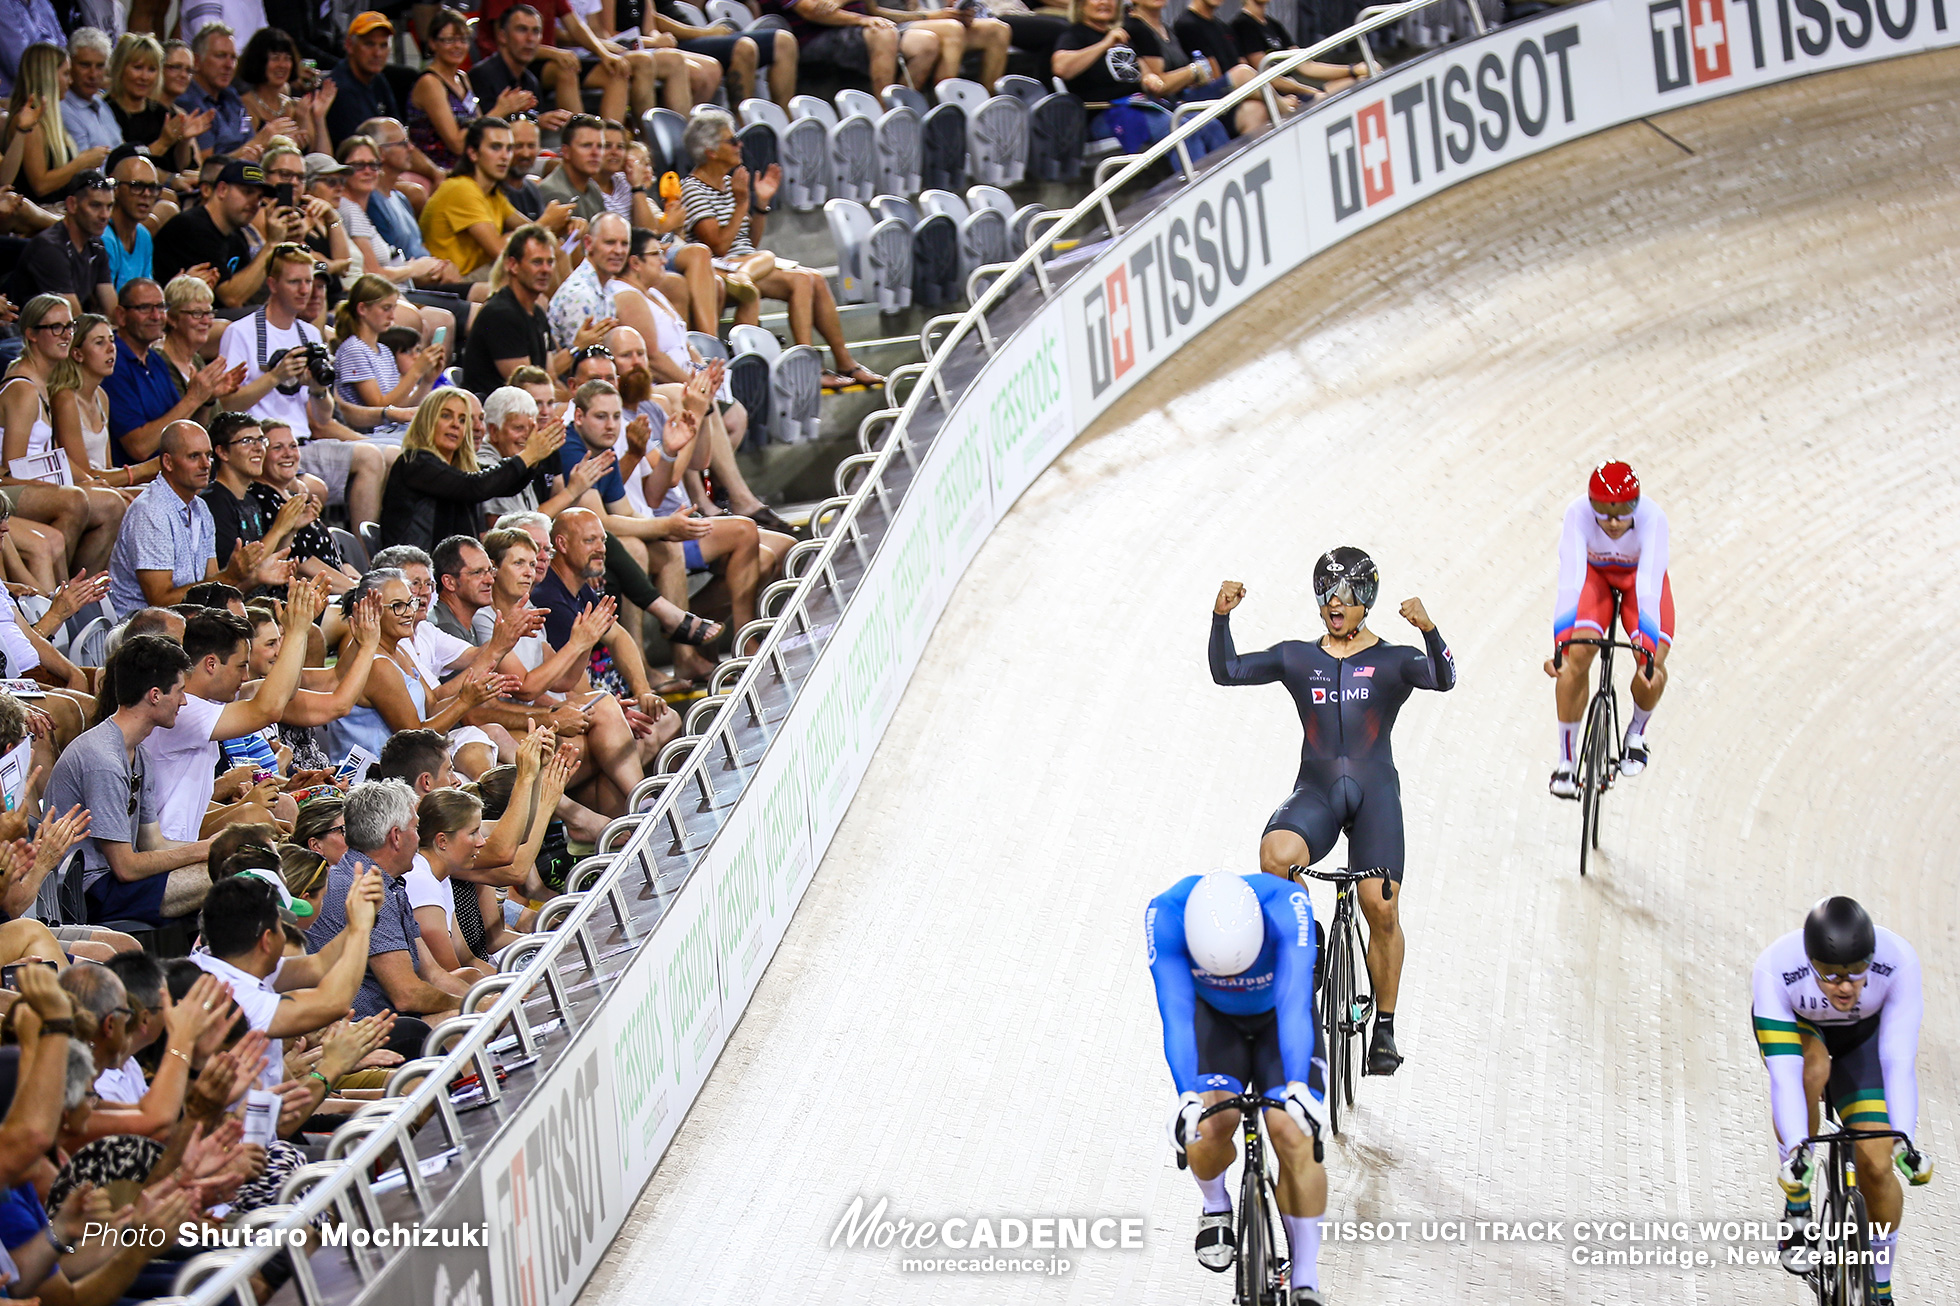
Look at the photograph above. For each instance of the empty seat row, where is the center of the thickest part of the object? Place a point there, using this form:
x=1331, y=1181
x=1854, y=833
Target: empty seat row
x=898, y=254
x=781, y=388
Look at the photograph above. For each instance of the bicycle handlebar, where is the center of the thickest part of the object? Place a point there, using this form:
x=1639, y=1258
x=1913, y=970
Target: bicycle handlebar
x=1638, y=650
x=1859, y=1136
x=1256, y=1102
x=1342, y=876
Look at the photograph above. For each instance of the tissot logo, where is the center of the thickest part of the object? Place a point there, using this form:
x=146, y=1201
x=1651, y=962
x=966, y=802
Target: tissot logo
x=1691, y=41
x=1697, y=41
x=1144, y=305
x=1448, y=118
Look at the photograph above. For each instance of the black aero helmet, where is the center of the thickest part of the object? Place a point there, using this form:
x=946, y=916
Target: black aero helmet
x=1838, y=932
x=1346, y=569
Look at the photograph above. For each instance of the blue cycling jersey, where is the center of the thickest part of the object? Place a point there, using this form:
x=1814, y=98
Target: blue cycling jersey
x=1280, y=980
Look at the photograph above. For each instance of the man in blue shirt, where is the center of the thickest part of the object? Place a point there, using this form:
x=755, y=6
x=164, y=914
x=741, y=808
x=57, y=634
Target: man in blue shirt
x=168, y=541
x=127, y=240
x=217, y=63
x=387, y=208
x=1232, y=957
x=143, y=400
x=85, y=109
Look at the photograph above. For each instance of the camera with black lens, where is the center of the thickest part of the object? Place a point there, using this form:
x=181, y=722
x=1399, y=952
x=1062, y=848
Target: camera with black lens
x=319, y=366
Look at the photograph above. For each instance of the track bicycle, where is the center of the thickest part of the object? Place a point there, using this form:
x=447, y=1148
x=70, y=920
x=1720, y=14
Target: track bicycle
x=1599, y=744
x=1841, y=1273
x=1260, y=1267
x=1345, y=995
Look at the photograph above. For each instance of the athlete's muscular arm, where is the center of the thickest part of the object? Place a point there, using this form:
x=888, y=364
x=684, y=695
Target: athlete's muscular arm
x=1228, y=667
x=1898, y=1041
x=1289, y=919
x=1782, y=1048
x=1434, y=668
x=1647, y=578
x=1177, y=996
x=1571, y=568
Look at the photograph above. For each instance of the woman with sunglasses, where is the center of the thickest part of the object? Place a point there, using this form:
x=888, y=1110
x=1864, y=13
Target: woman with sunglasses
x=87, y=519
x=1348, y=688
x=396, y=697
x=322, y=828
x=81, y=409
x=443, y=103
x=435, y=488
x=1613, y=539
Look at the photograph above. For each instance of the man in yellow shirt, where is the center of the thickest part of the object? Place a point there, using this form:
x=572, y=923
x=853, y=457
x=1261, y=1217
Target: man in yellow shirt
x=466, y=219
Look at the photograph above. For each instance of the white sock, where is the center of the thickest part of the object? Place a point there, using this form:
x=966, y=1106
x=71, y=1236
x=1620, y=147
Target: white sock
x=1637, y=723
x=1568, y=742
x=1883, y=1249
x=1216, y=1197
x=1303, y=1235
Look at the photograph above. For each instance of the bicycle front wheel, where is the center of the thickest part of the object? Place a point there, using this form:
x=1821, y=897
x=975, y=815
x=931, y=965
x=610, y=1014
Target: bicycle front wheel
x=1255, y=1238
x=1337, y=999
x=1593, y=745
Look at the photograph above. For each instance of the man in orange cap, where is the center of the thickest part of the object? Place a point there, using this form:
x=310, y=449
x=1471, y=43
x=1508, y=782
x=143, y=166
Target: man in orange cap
x=364, y=92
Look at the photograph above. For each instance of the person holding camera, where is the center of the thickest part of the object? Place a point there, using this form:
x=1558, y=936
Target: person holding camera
x=289, y=375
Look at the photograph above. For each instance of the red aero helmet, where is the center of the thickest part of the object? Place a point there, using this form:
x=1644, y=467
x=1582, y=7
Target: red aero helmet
x=1613, y=482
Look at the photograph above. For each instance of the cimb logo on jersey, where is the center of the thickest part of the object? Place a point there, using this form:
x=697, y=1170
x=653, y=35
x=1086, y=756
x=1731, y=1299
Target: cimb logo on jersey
x=1146, y=300
x=1442, y=130
x=1693, y=39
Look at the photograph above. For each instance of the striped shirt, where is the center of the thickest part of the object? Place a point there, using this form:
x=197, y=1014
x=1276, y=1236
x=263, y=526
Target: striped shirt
x=700, y=200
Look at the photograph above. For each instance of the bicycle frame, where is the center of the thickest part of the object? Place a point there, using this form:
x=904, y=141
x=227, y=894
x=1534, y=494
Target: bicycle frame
x=1262, y=1272
x=1599, y=744
x=1344, y=1004
x=1842, y=1275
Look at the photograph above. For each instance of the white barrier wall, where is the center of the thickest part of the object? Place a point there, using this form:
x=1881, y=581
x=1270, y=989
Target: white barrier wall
x=559, y=1180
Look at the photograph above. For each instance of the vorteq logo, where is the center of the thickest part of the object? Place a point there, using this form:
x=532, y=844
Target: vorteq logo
x=1691, y=43
x=1366, y=162
x=1161, y=286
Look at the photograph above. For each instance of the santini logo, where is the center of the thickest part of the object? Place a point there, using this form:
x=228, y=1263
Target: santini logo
x=1442, y=129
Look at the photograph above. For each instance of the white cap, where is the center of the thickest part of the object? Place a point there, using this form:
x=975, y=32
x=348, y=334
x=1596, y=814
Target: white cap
x=1224, y=925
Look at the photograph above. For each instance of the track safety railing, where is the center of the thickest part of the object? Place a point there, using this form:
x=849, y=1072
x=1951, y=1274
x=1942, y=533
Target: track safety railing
x=460, y=1047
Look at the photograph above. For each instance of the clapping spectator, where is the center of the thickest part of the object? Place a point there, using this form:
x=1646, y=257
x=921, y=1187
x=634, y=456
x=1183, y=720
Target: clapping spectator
x=314, y=553
x=50, y=158
x=367, y=371
x=86, y=518
x=129, y=870
x=216, y=67
x=147, y=391
x=266, y=69
x=718, y=198
x=436, y=489
x=514, y=64
x=443, y=103
x=402, y=975
x=148, y=115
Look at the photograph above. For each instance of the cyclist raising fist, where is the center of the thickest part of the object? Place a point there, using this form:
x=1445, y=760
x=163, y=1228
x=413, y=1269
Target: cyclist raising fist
x=1613, y=539
x=1232, y=957
x=1347, y=688
x=1836, y=1008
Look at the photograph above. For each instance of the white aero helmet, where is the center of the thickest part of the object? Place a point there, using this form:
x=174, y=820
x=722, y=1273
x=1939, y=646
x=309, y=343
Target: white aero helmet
x=1224, y=926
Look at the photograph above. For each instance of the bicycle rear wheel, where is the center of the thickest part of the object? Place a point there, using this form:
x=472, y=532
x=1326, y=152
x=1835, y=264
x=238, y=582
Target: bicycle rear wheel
x=1592, y=774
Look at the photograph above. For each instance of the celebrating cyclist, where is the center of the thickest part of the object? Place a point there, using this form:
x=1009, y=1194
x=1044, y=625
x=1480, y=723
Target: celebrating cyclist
x=1348, y=687
x=1233, y=960
x=1837, y=1007
x=1613, y=540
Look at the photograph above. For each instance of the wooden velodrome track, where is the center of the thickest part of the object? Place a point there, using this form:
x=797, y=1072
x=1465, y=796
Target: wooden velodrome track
x=960, y=1019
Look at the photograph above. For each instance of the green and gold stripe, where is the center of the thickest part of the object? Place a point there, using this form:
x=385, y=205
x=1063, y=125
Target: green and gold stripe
x=1778, y=1038
x=1865, y=1107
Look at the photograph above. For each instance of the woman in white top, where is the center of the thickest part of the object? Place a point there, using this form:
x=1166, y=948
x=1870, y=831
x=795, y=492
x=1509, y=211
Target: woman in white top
x=451, y=825
x=81, y=409
x=87, y=519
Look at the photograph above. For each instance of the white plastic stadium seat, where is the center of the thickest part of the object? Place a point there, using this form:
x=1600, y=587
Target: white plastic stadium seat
x=809, y=106
x=874, y=256
x=900, y=94
x=992, y=197
x=804, y=151
x=958, y=90
x=997, y=141
x=854, y=169
x=735, y=14
x=689, y=14
x=943, y=201
x=795, y=382
x=849, y=102
x=707, y=346
x=897, y=136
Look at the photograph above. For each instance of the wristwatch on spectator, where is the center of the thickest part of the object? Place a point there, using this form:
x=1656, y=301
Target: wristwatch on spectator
x=54, y=1241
